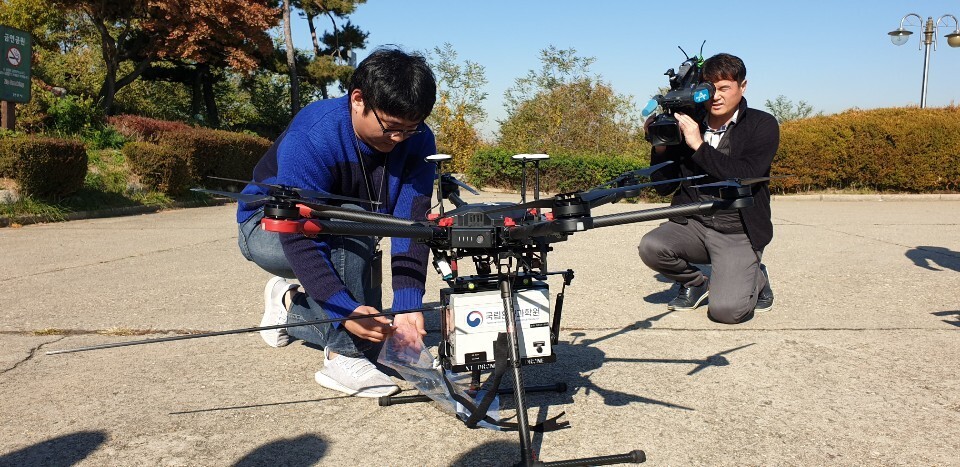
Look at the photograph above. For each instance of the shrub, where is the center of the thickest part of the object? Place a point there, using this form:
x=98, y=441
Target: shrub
x=894, y=149
x=104, y=138
x=218, y=153
x=160, y=167
x=42, y=166
x=136, y=128
x=71, y=115
x=561, y=173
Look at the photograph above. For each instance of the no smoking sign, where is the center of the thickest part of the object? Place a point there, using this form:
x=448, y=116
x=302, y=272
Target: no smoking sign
x=14, y=57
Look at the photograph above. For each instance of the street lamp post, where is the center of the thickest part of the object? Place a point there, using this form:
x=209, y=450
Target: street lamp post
x=901, y=35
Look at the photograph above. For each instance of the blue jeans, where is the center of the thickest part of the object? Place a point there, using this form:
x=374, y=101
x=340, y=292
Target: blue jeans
x=355, y=260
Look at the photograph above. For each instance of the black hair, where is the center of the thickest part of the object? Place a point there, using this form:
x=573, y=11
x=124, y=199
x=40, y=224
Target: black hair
x=397, y=83
x=724, y=66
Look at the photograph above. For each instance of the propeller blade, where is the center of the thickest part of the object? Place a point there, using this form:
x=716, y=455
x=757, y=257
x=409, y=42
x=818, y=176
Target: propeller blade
x=633, y=174
x=653, y=168
x=300, y=191
x=246, y=198
x=463, y=185
x=751, y=181
x=597, y=194
x=740, y=181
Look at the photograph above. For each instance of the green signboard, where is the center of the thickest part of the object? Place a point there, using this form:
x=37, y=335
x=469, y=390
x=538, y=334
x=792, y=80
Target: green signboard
x=15, y=56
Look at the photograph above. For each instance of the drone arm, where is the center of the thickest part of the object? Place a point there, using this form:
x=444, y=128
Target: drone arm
x=316, y=226
x=332, y=212
x=704, y=207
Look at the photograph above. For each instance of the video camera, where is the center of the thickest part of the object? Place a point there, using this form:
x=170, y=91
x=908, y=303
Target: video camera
x=687, y=92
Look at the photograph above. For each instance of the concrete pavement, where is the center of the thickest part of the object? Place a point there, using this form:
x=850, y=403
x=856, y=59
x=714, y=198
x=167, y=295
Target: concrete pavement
x=856, y=364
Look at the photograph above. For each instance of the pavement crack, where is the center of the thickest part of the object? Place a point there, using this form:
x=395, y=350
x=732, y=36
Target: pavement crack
x=31, y=354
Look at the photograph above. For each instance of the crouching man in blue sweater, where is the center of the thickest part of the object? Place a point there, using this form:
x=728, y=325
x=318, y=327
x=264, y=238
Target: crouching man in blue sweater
x=369, y=144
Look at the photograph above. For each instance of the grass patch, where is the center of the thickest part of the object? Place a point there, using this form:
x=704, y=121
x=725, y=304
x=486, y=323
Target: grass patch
x=109, y=184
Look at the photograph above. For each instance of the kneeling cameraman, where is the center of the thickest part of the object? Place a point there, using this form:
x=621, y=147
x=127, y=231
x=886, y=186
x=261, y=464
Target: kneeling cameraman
x=732, y=141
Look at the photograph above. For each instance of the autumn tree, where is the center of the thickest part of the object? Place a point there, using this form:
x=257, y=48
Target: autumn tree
x=784, y=110
x=459, y=105
x=135, y=33
x=562, y=108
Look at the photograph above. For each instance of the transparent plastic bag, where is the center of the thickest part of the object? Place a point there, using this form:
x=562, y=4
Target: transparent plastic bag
x=405, y=352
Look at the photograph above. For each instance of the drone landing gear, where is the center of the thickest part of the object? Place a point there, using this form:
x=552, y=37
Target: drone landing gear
x=519, y=391
x=526, y=449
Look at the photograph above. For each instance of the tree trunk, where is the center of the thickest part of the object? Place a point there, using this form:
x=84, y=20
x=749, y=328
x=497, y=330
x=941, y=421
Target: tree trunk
x=291, y=60
x=108, y=50
x=313, y=34
x=213, y=116
x=196, y=96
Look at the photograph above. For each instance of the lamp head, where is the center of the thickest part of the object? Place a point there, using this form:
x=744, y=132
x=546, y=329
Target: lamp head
x=900, y=36
x=953, y=39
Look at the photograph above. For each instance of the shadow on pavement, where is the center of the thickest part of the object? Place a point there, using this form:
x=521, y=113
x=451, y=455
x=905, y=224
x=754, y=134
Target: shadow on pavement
x=300, y=451
x=254, y=406
x=716, y=359
x=62, y=451
x=955, y=314
x=492, y=453
x=925, y=256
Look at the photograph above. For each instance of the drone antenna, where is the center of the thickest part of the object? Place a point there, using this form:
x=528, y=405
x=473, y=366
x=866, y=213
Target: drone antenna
x=523, y=178
x=684, y=52
x=438, y=160
x=701, y=49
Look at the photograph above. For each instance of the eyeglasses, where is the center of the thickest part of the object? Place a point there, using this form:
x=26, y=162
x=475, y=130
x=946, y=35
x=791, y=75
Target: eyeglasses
x=395, y=133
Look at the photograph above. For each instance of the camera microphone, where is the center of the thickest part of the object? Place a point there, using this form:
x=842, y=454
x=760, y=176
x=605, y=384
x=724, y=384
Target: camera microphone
x=650, y=108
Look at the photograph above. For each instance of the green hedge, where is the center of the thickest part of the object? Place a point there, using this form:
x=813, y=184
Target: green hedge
x=896, y=149
x=160, y=167
x=887, y=150
x=42, y=166
x=559, y=174
x=218, y=153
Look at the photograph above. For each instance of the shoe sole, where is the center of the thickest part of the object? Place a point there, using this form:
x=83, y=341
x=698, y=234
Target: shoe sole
x=763, y=310
x=271, y=337
x=695, y=305
x=330, y=383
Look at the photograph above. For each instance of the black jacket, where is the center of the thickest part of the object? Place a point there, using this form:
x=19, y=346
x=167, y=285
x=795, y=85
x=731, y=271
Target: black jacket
x=748, y=152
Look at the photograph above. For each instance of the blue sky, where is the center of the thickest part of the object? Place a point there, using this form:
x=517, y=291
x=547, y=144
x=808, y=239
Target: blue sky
x=834, y=55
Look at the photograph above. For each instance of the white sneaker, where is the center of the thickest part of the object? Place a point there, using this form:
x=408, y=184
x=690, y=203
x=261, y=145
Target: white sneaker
x=354, y=376
x=274, y=312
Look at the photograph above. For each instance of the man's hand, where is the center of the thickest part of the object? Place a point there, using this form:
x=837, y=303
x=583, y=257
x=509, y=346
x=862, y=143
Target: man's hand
x=415, y=320
x=690, y=130
x=407, y=339
x=374, y=329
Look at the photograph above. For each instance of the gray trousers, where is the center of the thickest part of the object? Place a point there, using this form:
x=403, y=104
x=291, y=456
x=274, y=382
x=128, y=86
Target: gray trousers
x=735, y=281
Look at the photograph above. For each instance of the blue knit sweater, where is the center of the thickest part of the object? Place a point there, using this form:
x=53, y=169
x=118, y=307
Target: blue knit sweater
x=318, y=151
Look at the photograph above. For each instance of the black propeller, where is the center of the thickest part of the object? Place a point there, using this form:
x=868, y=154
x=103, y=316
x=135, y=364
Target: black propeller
x=447, y=178
x=738, y=182
x=299, y=191
x=246, y=198
x=633, y=174
x=320, y=210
